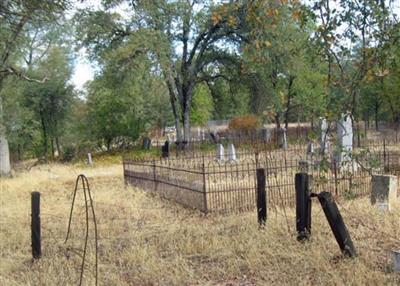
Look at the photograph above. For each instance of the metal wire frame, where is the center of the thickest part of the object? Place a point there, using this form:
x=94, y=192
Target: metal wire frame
x=87, y=194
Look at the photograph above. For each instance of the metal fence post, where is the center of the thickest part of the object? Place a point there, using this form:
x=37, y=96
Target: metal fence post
x=336, y=223
x=261, y=197
x=154, y=175
x=303, y=206
x=35, y=226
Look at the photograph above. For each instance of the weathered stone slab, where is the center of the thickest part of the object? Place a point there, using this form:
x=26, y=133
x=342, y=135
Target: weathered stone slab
x=384, y=190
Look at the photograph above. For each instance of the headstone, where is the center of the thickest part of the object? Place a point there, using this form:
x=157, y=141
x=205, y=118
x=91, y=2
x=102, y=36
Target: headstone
x=282, y=140
x=384, y=190
x=265, y=135
x=345, y=144
x=220, y=152
x=324, y=136
x=198, y=133
x=90, y=161
x=203, y=135
x=310, y=148
x=214, y=137
x=146, y=143
x=396, y=260
x=231, y=152
x=165, y=150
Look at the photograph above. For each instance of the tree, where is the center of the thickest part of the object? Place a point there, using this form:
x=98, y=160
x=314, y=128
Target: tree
x=280, y=61
x=15, y=16
x=182, y=36
x=51, y=100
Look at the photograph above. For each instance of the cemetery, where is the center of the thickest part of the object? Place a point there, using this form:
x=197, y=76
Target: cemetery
x=212, y=142
x=224, y=180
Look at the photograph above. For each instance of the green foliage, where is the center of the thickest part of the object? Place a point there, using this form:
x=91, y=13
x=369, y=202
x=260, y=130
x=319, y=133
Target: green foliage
x=202, y=106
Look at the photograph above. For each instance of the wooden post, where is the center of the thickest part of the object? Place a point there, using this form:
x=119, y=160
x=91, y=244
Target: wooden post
x=261, y=198
x=303, y=206
x=35, y=225
x=337, y=224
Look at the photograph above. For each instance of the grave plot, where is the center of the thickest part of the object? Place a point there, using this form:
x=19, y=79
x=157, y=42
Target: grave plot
x=224, y=181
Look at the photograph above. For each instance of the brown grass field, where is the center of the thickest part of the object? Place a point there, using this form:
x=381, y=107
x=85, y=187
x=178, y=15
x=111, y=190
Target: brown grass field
x=145, y=240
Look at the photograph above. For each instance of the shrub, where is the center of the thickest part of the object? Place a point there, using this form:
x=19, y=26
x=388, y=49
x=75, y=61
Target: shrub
x=68, y=153
x=244, y=123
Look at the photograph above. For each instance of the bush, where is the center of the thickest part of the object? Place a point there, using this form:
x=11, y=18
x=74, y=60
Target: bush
x=244, y=123
x=68, y=153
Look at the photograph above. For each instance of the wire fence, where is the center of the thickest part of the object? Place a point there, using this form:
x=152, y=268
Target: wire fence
x=202, y=182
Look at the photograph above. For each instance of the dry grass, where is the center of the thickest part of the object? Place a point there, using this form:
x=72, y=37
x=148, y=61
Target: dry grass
x=148, y=241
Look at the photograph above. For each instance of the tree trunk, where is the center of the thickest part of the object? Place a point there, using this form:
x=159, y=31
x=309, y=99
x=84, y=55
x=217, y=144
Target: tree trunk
x=52, y=148
x=376, y=115
x=44, y=136
x=5, y=166
x=58, y=147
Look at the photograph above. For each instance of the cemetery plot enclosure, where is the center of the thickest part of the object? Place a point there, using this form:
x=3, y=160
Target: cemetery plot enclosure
x=210, y=185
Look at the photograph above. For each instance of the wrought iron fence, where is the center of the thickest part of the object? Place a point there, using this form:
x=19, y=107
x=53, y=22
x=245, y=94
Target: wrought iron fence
x=210, y=185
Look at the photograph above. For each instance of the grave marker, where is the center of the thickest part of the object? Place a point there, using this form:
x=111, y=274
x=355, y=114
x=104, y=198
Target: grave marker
x=282, y=140
x=324, y=136
x=90, y=161
x=220, y=152
x=231, y=152
x=165, y=150
x=345, y=144
x=384, y=191
x=146, y=143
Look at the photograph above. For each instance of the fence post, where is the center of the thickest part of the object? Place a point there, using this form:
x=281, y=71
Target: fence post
x=384, y=154
x=303, y=206
x=336, y=223
x=35, y=226
x=261, y=197
x=154, y=175
x=335, y=176
x=204, y=186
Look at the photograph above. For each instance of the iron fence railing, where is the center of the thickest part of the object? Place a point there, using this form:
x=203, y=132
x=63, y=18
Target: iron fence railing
x=210, y=185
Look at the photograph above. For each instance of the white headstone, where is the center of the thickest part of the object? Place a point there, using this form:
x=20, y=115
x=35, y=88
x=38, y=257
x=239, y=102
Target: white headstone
x=220, y=152
x=231, y=152
x=90, y=161
x=310, y=148
x=198, y=133
x=324, y=136
x=285, y=145
x=282, y=140
x=345, y=143
x=203, y=135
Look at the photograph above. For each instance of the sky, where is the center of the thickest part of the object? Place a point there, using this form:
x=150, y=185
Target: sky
x=84, y=71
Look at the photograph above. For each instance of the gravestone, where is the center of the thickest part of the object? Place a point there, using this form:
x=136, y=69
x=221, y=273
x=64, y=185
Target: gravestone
x=90, y=161
x=384, y=191
x=146, y=143
x=203, y=135
x=165, y=150
x=396, y=260
x=265, y=135
x=214, y=137
x=310, y=148
x=282, y=140
x=220, y=152
x=345, y=144
x=324, y=136
x=231, y=152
